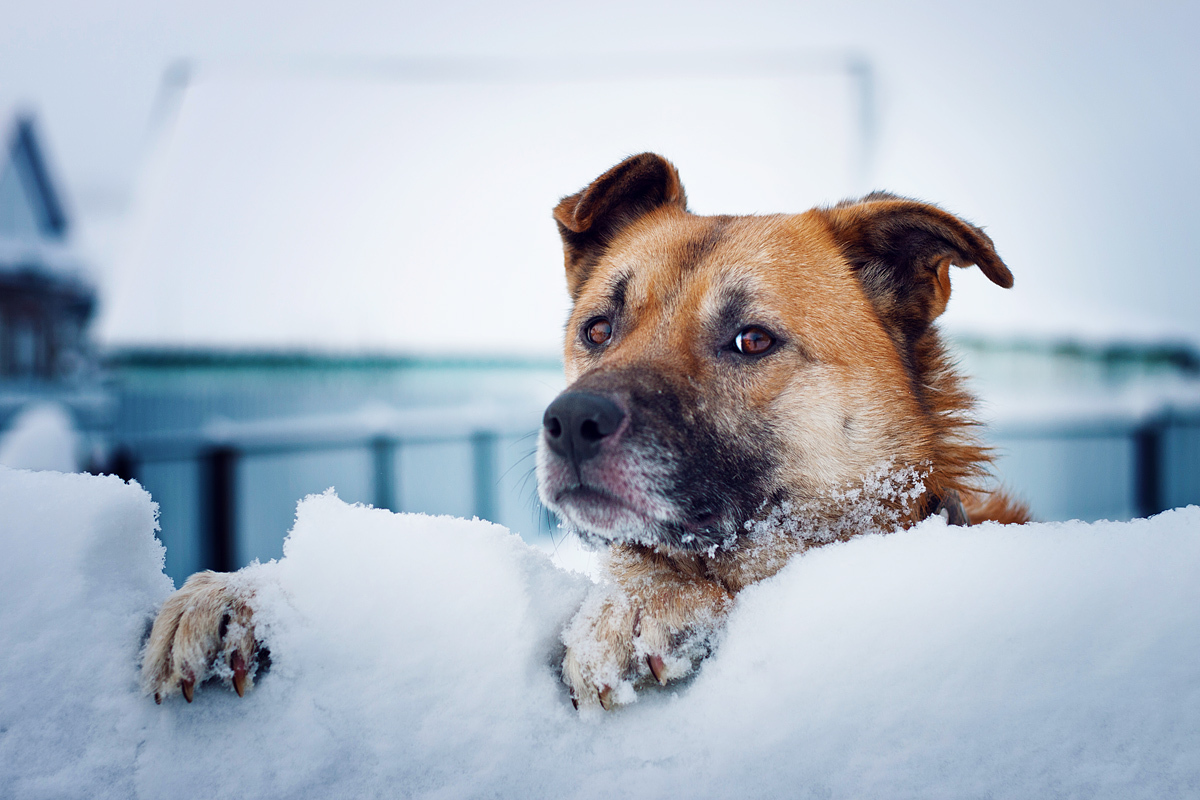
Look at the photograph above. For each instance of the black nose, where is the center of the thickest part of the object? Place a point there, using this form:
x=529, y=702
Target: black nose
x=577, y=422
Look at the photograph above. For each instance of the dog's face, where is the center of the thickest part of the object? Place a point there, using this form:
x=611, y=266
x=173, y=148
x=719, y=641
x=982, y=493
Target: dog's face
x=719, y=364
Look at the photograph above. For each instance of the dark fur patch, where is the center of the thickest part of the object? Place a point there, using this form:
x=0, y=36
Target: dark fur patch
x=718, y=478
x=734, y=313
x=590, y=219
x=895, y=247
x=617, y=298
x=696, y=250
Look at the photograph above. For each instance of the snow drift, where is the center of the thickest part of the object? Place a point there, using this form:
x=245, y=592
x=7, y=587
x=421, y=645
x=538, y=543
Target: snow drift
x=416, y=656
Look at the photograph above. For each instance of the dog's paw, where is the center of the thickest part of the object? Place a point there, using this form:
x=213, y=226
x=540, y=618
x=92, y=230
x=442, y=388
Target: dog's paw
x=619, y=640
x=206, y=629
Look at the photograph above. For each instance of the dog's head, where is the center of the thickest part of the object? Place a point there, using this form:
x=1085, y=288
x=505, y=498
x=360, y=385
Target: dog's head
x=718, y=364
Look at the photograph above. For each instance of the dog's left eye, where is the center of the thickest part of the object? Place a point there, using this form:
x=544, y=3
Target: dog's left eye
x=753, y=341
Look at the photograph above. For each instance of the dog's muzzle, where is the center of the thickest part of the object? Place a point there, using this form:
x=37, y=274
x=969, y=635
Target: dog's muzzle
x=620, y=459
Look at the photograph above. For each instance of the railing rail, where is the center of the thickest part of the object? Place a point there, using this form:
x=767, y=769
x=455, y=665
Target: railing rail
x=222, y=446
x=1145, y=427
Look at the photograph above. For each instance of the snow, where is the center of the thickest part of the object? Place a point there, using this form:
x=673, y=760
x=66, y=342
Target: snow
x=876, y=505
x=80, y=575
x=415, y=656
x=41, y=436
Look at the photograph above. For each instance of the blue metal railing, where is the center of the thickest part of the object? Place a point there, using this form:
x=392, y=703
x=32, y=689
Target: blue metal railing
x=1163, y=444
x=221, y=449
x=1161, y=448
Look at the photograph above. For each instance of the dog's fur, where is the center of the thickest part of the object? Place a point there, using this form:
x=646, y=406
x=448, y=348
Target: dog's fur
x=707, y=468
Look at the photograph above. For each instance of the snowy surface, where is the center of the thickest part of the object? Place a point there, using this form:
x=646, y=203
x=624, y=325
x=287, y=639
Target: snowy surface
x=414, y=656
x=41, y=436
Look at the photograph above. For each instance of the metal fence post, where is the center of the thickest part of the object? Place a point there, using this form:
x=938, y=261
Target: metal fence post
x=483, y=451
x=383, y=463
x=122, y=464
x=219, y=507
x=1148, y=466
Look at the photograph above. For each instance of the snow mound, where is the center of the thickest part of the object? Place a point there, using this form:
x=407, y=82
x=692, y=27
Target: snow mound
x=416, y=656
x=80, y=575
x=41, y=436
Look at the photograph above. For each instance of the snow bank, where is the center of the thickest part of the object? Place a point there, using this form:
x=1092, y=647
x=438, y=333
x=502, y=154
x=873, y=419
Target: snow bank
x=80, y=574
x=415, y=656
x=41, y=436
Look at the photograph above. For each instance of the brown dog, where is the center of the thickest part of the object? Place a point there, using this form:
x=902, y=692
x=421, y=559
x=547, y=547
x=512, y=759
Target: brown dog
x=740, y=389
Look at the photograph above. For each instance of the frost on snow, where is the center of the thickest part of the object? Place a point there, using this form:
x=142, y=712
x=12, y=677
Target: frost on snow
x=878, y=504
x=417, y=657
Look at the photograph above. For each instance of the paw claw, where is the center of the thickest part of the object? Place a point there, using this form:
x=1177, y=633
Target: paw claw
x=605, y=695
x=657, y=667
x=203, y=629
x=240, y=673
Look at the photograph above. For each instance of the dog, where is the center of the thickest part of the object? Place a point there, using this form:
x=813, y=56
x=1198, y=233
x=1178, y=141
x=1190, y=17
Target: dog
x=740, y=389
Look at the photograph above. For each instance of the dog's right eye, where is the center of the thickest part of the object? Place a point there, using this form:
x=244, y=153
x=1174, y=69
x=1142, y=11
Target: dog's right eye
x=753, y=341
x=599, y=331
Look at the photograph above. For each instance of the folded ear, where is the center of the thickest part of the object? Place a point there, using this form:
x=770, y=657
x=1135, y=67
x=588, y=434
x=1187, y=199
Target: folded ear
x=588, y=220
x=902, y=251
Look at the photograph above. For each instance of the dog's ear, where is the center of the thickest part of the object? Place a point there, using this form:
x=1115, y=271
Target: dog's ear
x=588, y=220
x=902, y=251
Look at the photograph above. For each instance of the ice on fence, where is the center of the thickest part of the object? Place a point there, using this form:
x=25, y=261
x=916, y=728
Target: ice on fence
x=416, y=656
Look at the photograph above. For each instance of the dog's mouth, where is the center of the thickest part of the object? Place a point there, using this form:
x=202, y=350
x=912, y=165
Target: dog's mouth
x=593, y=509
x=599, y=515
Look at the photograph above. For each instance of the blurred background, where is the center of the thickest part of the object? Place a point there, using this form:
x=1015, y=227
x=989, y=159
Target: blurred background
x=252, y=250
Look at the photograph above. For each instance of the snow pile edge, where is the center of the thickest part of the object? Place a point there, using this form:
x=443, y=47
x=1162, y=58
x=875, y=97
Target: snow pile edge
x=416, y=656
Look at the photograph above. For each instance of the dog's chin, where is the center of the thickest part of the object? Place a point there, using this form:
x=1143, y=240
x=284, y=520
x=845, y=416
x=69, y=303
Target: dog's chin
x=597, y=514
x=599, y=517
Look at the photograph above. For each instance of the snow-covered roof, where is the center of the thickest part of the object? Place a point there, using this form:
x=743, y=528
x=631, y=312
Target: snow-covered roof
x=411, y=212
x=28, y=191
x=34, y=223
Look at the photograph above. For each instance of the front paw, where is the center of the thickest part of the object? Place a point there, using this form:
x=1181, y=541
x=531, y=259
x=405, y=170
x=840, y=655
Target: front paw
x=619, y=640
x=205, y=629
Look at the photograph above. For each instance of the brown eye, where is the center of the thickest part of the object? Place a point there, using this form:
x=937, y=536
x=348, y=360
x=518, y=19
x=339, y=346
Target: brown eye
x=753, y=341
x=599, y=331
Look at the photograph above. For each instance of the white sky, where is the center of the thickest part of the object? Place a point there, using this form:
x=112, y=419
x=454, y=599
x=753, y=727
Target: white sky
x=1067, y=129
